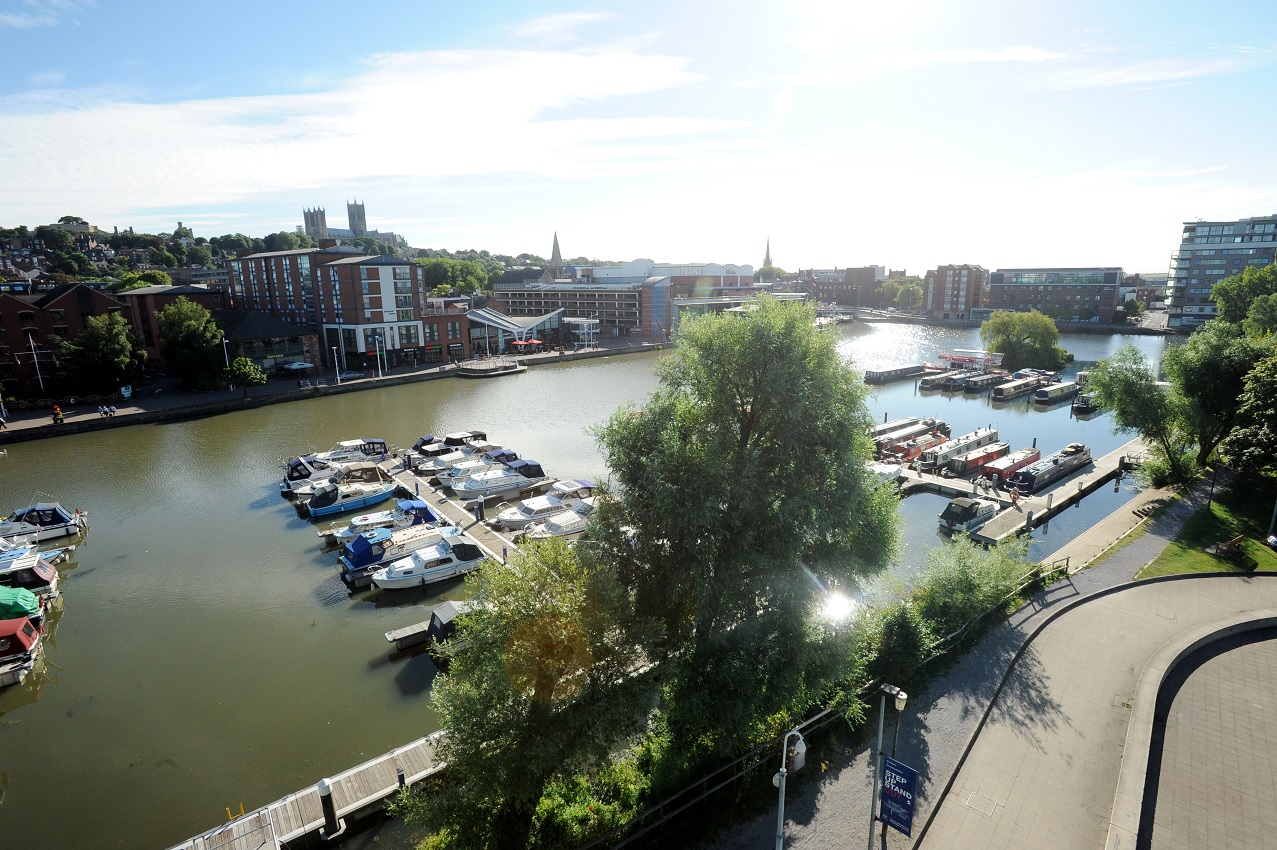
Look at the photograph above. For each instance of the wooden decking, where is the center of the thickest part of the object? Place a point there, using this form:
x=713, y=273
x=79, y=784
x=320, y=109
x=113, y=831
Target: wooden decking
x=300, y=813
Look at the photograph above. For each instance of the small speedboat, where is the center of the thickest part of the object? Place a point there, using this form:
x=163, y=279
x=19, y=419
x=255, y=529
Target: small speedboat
x=445, y=560
x=358, y=486
x=407, y=513
x=431, y=464
x=459, y=472
x=43, y=521
x=20, y=648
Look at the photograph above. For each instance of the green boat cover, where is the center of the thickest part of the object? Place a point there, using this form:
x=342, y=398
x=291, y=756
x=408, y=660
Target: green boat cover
x=16, y=602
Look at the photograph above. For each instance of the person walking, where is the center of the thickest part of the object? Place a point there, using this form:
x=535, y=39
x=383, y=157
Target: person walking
x=4, y=426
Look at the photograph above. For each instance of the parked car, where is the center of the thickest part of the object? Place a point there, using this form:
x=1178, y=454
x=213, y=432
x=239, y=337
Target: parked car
x=351, y=376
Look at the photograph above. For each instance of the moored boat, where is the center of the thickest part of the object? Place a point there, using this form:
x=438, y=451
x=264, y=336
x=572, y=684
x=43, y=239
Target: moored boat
x=516, y=477
x=538, y=508
x=374, y=549
x=972, y=461
x=934, y=459
x=347, y=474
x=986, y=381
x=20, y=648
x=1017, y=387
x=408, y=512
x=362, y=485
x=898, y=373
x=1035, y=476
x=967, y=514
x=958, y=380
x=446, y=559
x=563, y=524
x=1002, y=468
x=884, y=440
x=1084, y=404
x=1056, y=393
x=911, y=449
x=43, y=521
x=459, y=472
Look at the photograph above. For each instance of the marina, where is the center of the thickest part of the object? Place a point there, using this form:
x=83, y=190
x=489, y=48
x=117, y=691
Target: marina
x=244, y=565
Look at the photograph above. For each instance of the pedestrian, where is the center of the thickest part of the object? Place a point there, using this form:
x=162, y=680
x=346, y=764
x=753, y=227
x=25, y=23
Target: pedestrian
x=111, y=410
x=4, y=426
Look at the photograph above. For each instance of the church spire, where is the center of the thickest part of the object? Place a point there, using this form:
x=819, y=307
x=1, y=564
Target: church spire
x=767, y=258
x=556, y=259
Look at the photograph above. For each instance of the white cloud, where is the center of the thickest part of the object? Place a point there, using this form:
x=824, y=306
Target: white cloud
x=43, y=13
x=1150, y=72
x=558, y=29
x=877, y=63
x=45, y=79
x=408, y=115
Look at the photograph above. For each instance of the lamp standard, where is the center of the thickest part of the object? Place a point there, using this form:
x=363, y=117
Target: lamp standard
x=225, y=353
x=901, y=698
x=800, y=748
x=35, y=358
x=336, y=365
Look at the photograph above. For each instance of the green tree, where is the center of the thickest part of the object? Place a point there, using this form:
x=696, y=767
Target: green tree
x=1252, y=445
x=71, y=219
x=767, y=273
x=543, y=685
x=1261, y=318
x=244, y=373
x=136, y=280
x=1134, y=308
x=104, y=356
x=192, y=343
x=746, y=463
x=281, y=241
x=1026, y=340
x=197, y=255
x=55, y=240
x=1208, y=373
x=1233, y=295
x=464, y=276
x=909, y=295
x=1126, y=385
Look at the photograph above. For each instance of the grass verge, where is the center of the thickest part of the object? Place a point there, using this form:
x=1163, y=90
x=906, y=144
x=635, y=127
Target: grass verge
x=1243, y=510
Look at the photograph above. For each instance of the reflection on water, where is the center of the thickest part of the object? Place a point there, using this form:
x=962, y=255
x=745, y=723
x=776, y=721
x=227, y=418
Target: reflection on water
x=209, y=655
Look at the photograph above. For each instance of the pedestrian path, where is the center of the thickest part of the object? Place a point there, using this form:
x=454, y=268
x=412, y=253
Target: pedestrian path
x=829, y=807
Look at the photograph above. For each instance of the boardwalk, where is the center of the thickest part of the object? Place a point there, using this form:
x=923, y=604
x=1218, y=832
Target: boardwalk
x=300, y=813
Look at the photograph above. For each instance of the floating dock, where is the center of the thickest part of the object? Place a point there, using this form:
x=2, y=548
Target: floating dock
x=354, y=791
x=1030, y=511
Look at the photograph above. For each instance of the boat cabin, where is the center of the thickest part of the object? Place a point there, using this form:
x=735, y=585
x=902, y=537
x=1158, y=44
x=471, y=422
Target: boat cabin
x=464, y=438
x=303, y=467
x=40, y=578
x=43, y=514
x=18, y=638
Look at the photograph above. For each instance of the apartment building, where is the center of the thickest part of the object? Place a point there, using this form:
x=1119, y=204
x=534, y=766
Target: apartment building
x=1210, y=251
x=1068, y=294
x=952, y=291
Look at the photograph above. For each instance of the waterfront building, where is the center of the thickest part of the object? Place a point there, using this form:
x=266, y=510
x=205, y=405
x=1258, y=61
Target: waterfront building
x=144, y=302
x=1210, y=251
x=28, y=319
x=953, y=291
x=1068, y=294
x=363, y=307
x=849, y=287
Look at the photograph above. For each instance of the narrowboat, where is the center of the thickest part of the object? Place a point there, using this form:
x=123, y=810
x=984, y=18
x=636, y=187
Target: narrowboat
x=936, y=381
x=933, y=460
x=986, y=381
x=899, y=373
x=972, y=461
x=1035, y=476
x=1016, y=388
x=958, y=380
x=1056, y=393
x=1004, y=467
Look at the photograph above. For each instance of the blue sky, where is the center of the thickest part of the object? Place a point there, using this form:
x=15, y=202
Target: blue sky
x=906, y=134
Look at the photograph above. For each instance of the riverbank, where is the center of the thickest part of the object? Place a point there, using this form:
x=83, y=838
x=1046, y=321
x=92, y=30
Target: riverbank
x=167, y=401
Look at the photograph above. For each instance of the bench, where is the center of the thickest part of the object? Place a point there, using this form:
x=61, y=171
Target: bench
x=1228, y=548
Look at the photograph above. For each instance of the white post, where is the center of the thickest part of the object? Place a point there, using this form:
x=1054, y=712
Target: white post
x=779, y=781
x=36, y=360
x=336, y=365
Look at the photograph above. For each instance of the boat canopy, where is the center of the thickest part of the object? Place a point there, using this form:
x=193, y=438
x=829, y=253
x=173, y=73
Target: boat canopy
x=571, y=485
x=500, y=456
x=426, y=440
x=42, y=514
x=417, y=508
x=527, y=468
x=17, y=602
x=365, y=551
x=301, y=468
x=17, y=636
x=461, y=438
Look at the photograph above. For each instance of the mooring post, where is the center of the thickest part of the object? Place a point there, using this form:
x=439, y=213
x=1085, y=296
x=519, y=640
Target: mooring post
x=333, y=825
x=1028, y=521
x=1049, y=497
x=399, y=774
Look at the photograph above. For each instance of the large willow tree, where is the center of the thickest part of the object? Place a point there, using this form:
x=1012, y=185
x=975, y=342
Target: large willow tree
x=743, y=491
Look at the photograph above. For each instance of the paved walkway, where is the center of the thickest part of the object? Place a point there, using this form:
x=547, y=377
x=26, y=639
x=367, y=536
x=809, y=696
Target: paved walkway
x=829, y=808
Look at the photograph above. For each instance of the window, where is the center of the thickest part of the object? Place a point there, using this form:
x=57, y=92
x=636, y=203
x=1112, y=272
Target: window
x=454, y=330
x=432, y=333
x=26, y=316
x=57, y=315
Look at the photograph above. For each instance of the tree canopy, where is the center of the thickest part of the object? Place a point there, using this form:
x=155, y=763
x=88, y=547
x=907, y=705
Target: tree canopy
x=1026, y=340
x=192, y=343
x=104, y=356
x=1233, y=295
x=137, y=280
x=742, y=471
x=543, y=683
x=1252, y=446
x=245, y=373
x=465, y=276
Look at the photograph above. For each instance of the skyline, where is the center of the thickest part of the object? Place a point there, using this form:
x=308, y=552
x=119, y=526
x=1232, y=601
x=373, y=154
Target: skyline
x=849, y=135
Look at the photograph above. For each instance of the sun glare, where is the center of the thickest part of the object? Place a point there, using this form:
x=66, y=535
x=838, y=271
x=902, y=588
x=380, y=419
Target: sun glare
x=837, y=608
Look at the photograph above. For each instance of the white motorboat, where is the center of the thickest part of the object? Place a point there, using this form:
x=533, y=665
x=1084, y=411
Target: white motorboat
x=447, y=559
x=437, y=457
x=488, y=461
x=407, y=513
x=357, y=486
x=348, y=473
x=535, y=509
x=563, y=524
x=43, y=521
x=374, y=549
x=513, y=478
x=967, y=514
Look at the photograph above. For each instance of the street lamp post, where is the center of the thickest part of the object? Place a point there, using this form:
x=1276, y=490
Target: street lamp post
x=901, y=698
x=337, y=365
x=227, y=357
x=778, y=780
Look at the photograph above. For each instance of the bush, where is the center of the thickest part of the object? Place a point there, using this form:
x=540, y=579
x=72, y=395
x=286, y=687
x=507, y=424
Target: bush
x=904, y=641
x=963, y=581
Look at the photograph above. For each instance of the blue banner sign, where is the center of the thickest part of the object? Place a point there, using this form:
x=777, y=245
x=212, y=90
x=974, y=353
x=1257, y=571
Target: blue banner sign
x=899, y=787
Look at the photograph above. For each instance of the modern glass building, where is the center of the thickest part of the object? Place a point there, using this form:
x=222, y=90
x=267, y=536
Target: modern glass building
x=1210, y=251
x=1085, y=294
